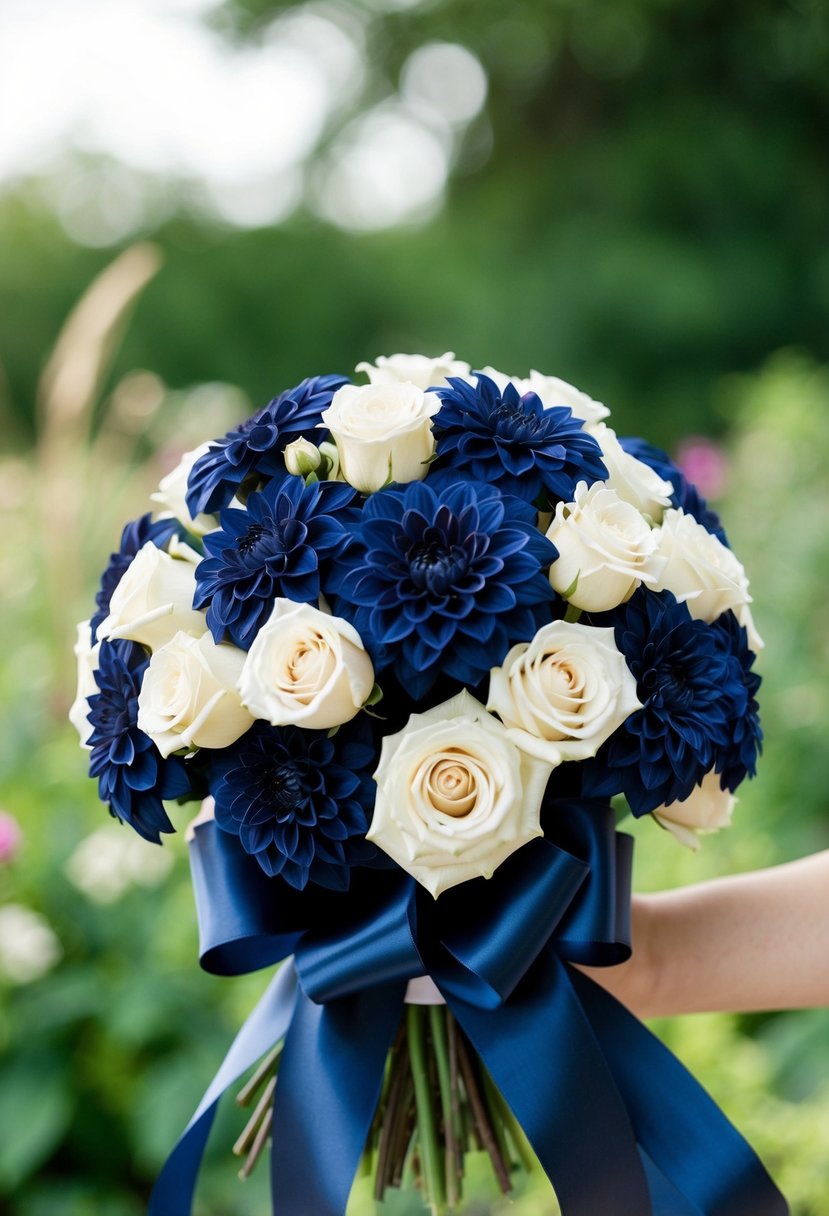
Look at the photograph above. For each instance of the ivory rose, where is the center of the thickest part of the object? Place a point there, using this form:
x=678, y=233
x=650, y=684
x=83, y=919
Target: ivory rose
x=455, y=796
x=87, y=657
x=562, y=694
x=188, y=696
x=383, y=432
x=307, y=668
x=415, y=369
x=703, y=573
x=632, y=479
x=154, y=598
x=171, y=495
x=706, y=809
x=606, y=549
x=302, y=457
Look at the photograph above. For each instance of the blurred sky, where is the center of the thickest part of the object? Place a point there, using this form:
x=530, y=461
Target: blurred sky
x=153, y=87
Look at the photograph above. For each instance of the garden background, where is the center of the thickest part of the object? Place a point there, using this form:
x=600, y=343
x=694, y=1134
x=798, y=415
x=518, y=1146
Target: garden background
x=201, y=203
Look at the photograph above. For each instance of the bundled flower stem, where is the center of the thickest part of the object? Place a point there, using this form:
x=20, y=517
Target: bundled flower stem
x=437, y=1103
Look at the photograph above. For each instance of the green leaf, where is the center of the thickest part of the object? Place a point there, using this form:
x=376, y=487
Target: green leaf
x=374, y=697
x=35, y=1112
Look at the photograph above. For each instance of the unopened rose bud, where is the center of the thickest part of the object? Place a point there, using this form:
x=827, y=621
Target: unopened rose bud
x=302, y=457
x=330, y=466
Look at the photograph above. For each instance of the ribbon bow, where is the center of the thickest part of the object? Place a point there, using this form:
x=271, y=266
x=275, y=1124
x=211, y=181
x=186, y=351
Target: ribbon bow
x=618, y=1124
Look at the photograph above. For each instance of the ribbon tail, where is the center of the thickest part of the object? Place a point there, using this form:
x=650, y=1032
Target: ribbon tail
x=173, y=1192
x=681, y=1130
x=330, y=1077
x=542, y=1053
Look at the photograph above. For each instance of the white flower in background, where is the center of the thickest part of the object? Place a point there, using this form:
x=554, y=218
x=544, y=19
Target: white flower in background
x=706, y=809
x=383, y=432
x=562, y=694
x=606, y=548
x=171, y=495
x=302, y=457
x=553, y=393
x=28, y=947
x=455, y=796
x=154, y=599
x=415, y=369
x=110, y=861
x=189, y=695
x=703, y=573
x=306, y=668
x=632, y=479
x=87, y=656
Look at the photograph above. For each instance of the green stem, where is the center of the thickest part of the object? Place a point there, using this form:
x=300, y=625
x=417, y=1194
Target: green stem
x=427, y=1130
x=437, y=1021
x=572, y=614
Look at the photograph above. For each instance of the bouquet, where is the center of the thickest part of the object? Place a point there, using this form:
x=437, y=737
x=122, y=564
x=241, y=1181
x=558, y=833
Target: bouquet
x=416, y=642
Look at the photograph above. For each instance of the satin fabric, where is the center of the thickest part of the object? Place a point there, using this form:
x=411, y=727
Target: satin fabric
x=619, y=1126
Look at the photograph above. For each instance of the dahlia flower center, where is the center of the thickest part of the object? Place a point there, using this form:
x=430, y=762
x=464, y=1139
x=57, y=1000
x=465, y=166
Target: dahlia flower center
x=435, y=565
x=283, y=787
x=513, y=423
x=248, y=542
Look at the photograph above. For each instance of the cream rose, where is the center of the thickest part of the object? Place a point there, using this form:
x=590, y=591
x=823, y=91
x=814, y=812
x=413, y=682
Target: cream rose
x=188, y=696
x=606, y=549
x=171, y=495
x=154, y=599
x=455, y=796
x=553, y=393
x=415, y=369
x=383, y=432
x=562, y=694
x=703, y=573
x=632, y=479
x=706, y=809
x=302, y=457
x=87, y=656
x=306, y=668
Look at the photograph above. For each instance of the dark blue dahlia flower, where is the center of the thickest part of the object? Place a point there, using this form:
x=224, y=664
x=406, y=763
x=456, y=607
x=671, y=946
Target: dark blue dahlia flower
x=685, y=495
x=738, y=759
x=274, y=548
x=134, y=537
x=447, y=576
x=691, y=691
x=299, y=801
x=256, y=447
x=132, y=776
x=512, y=442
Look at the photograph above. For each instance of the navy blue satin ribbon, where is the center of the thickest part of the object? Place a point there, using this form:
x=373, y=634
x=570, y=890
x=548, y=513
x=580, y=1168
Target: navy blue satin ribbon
x=616, y=1121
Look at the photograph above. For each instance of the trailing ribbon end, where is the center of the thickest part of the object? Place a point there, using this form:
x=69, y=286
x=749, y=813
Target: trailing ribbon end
x=616, y=1121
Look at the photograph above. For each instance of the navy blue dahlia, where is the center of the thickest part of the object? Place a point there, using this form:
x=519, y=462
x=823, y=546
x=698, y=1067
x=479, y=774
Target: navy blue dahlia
x=738, y=759
x=132, y=776
x=513, y=442
x=274, y=548
x=134, y=536
x=256, y=447
x=299, y=800
x=692, y=692
x=447, y=576
x=685, y=495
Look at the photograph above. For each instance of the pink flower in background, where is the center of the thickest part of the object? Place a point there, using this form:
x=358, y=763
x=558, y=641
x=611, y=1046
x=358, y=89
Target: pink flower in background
x=10, y=837
x=705, y=464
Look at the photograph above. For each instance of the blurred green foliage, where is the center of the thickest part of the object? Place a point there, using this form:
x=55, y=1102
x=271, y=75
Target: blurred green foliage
x=650, y=223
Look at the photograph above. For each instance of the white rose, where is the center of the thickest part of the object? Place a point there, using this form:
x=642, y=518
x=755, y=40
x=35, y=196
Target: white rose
x=302, y=457
x=415, y=369
x=188, y=696
x=553, y=393
x=605, y=547
x=87, y=656
x=564, y=693
x=455, y=796
x=171, y=495
x=383, y=432
x=703, y=573
x=632, y=479
x=706, y=809
x=154, y=599
x=306, y=668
